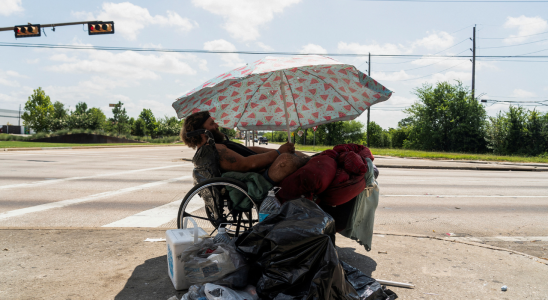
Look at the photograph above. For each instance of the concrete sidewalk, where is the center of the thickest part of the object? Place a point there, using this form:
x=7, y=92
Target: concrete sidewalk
x=117, y=264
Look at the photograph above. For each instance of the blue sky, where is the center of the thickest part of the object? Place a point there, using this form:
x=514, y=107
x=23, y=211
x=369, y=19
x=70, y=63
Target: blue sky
x=153, y=79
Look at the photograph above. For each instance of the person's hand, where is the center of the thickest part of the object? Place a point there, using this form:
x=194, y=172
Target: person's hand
x=287, y=148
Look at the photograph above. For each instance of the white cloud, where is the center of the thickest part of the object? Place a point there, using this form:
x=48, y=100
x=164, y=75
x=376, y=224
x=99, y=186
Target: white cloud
x=435, y=41
x=523, y=93
x=32, y=61
x=264, y=46
x=8, y=7
x=526, y=26
x=129, y=19
x=232, y=60
x=373, y=48
x=7, y=78
x=392, y=76
x=126, y=65
x=449, y=76
x=243, y=18
x=312, y=49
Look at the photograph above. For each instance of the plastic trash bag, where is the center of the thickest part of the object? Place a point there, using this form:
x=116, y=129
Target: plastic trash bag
x=206, y=261
x=292, y=256
x=195, y=292
x=217, y=292
x=366, y=287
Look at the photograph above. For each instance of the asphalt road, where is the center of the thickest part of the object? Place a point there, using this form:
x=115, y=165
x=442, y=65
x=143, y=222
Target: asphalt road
x=142, y=187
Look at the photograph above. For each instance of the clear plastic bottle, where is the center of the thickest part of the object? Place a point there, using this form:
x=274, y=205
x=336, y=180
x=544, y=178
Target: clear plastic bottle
x=222, y=236
x=270, y=204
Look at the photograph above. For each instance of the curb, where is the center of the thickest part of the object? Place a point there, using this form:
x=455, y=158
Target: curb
x=533, y=169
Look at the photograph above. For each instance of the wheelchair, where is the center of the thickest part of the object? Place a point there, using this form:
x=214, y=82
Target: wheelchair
x=210, y=217
x=209, y=202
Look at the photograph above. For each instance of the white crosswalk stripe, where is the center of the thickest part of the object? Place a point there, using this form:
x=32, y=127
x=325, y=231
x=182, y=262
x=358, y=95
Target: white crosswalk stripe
x=63, y=203
x=48, y=182
x=150, y=218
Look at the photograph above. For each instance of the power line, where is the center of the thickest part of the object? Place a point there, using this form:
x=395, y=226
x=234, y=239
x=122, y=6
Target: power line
x=442, y=60
x=433, y=73
x=514, y=45
x=105, y=48
x=514, y=37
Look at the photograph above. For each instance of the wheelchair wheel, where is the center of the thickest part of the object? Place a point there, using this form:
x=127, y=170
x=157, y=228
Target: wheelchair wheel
x=194, y=206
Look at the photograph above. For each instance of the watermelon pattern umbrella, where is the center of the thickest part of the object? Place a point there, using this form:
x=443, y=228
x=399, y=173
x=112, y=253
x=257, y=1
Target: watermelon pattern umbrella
x=284, y=93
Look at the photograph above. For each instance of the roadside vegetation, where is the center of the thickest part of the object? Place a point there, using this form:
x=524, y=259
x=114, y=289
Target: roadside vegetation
x=49, y=118
x=19, y=144
x=445, y=123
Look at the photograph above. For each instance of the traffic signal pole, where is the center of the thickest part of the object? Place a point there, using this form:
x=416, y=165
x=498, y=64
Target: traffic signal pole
x=368, y=108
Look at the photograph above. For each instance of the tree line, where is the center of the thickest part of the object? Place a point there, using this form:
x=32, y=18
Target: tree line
x=445, y=118
x=44, y=116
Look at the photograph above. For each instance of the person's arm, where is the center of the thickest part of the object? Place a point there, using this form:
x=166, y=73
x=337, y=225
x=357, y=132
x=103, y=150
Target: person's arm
x=232, y=161
x=260, y=150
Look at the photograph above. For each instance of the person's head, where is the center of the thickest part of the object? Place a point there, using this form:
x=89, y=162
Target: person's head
x=200, y=120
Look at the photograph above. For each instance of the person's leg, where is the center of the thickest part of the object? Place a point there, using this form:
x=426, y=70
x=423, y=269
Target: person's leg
x=285, y=165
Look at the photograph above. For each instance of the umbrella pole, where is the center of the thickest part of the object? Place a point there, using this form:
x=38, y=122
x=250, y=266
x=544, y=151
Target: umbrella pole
x=282, y=87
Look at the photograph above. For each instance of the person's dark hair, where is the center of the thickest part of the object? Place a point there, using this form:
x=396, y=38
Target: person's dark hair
x=194, y=122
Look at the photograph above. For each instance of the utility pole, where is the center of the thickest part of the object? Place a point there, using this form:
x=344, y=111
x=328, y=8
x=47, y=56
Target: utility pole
x=474, y=63
x=369, y=108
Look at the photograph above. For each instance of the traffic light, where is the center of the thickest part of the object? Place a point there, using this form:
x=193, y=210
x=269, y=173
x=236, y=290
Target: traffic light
x=100, y=28
x=27, y=30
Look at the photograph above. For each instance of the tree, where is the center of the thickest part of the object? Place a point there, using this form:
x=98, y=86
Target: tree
x=120, y=120
x=59, y=111
x=97, y=118
x=446, y=118
x=147, y=116
x=139, y=127
x=378, y=136
x=81, y=108
x=38, y=111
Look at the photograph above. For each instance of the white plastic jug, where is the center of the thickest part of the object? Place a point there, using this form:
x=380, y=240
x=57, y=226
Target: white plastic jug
x=177, y=241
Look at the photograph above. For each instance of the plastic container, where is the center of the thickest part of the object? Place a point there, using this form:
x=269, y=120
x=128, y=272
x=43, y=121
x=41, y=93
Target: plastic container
x=270, y=204
x=222, y=236
x=177, y=241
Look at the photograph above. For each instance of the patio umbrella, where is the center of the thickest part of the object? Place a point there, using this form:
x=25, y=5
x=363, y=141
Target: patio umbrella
x=284, y=93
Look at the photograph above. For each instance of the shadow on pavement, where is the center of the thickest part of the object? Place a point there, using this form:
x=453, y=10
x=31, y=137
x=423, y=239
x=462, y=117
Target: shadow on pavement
x=359, y=261
x=149, y=281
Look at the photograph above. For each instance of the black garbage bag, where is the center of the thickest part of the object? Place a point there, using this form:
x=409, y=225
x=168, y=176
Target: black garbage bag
x=366, y=287
x=294, y=257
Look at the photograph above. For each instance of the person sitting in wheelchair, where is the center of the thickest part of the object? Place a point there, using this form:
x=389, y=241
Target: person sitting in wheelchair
x=275, y=165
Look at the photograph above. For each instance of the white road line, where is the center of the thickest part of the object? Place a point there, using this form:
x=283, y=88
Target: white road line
x=156, y=216
x=63, y=203
x=37, y=183
x=502, y=239
x=465, y=196
x=150, y=218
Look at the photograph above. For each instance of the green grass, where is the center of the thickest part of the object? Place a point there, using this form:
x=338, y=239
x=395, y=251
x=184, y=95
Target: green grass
x=19, y=144
x=436, y=155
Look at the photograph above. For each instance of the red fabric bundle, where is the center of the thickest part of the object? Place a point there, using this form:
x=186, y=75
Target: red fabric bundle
x=352, y=163
x=312, y=179
x=366, y=153
x=343, y=192
x=331, y=153
x=340, y=177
